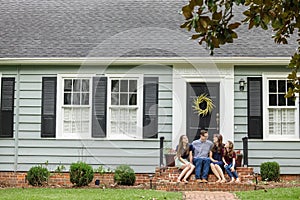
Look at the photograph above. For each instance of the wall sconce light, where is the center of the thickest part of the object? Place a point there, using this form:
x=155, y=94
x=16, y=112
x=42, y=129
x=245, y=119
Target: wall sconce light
x=242, y=83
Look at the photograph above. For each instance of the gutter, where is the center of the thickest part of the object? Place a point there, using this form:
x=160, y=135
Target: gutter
x=146, y=60
x=17, y=110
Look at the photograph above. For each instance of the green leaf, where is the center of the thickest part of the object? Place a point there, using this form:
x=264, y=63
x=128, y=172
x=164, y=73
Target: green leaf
x=263, y=25
x=185, y=24
x=292, y=75
x=187, y=12
x=234, y=25
x=217, y=16
x=196, y=36
x=215, y=42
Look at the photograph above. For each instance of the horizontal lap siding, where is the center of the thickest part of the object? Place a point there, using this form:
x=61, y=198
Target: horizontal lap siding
x=142, y=155
x=285, y=153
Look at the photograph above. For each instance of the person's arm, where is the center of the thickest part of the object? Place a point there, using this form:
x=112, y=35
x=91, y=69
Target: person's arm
x=225, y=163
x=210, y=156
x=233, y=164
x=191, y=153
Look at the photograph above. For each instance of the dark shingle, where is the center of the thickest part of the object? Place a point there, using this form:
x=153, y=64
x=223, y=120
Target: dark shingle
x=112, y=28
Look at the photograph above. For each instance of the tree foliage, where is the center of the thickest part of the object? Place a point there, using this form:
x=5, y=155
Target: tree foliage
x=212, y=21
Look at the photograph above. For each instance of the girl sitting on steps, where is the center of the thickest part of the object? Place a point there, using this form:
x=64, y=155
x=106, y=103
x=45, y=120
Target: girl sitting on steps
x=229, y=157
x=183, y=158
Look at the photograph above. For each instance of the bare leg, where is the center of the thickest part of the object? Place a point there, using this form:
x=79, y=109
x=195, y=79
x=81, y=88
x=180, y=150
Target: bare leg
x=184, y=171
x=192, y=167
x=220, y=173
x=216, y=173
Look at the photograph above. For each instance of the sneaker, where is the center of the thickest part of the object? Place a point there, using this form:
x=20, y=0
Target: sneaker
x=199, y=181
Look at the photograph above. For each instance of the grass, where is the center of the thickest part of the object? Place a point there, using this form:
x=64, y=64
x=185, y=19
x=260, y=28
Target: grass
x=76, y=194
x=271, y=194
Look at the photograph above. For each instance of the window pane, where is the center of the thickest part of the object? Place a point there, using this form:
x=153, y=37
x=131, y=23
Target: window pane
x=289, y=85
x=76, y=99
x=85, y=85
x=281, y=100
x=124, y=99
x=115, y=86
x=290, y=102
x=76, y=85
x=85, y=99
x=273, y=100
x=124, y=86
x=281, y=86
x=272, y=86
x=132, y=86
x=67, y=85
x=114, y=99
x=132, y=100
x=67, y=98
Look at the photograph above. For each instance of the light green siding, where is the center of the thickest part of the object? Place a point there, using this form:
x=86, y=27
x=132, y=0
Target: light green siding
x=29, y=149
x=286, y=153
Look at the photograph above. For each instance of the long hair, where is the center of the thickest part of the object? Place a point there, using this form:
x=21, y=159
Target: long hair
x=230, y=150
x=180, y=149
x=218, y=147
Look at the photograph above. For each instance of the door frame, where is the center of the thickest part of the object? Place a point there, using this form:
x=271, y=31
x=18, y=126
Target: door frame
x=226, y=81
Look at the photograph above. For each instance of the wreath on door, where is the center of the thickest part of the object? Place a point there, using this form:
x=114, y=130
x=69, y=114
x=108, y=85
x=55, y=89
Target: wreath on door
x=208, y=103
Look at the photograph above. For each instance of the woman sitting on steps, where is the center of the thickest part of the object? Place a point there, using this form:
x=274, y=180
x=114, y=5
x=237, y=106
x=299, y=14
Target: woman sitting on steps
x=215, y=156
x=183, y=158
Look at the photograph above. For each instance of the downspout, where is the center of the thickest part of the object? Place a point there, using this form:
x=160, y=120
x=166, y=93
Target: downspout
x=17, y=120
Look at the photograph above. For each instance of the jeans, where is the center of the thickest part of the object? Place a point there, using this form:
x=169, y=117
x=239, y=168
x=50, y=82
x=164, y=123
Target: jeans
x=230, y=173
x=199, y=163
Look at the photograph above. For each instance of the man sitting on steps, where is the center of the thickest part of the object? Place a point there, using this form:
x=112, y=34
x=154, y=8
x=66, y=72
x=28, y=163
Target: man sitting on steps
x=201, y=159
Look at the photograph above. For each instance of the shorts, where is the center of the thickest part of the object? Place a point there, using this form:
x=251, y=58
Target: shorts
x=179, y=164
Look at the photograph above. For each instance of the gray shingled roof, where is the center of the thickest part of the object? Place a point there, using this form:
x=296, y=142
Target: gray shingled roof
x=113, y=28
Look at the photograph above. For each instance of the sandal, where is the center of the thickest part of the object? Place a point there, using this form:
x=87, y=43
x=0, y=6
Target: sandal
x=185, y=181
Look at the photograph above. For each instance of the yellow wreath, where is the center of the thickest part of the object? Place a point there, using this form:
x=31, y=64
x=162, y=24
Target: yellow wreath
x=199, y=100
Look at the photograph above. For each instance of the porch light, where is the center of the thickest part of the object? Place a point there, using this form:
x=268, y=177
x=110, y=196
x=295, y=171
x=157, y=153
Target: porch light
x=242, y=83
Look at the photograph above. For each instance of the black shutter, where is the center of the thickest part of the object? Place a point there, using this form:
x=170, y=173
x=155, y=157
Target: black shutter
x=255, y=129
x=150, y=112
x=7, y=107
x=48, y=121
x=99, y=106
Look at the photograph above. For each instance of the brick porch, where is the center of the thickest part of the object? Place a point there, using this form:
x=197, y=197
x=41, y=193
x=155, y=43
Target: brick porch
x=165, y=179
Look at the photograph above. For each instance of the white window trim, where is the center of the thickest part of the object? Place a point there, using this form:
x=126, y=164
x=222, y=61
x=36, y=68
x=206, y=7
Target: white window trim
x=59, y=106
x=139, y=106
x=266, y=135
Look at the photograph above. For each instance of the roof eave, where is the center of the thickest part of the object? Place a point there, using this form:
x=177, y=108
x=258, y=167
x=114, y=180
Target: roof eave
x=146, y=60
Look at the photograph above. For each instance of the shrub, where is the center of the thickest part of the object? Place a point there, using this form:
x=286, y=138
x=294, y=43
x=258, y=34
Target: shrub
x=124, y=175
x=81, y=174
x=270, y=171
x=38, y=175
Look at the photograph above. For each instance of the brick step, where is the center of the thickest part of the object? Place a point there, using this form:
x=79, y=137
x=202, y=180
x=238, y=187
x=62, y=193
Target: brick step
x=210, y=186
x=166, y=177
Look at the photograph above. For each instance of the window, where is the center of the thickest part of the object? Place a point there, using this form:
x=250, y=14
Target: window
x=124, y=107
x=75, y=107
x=282, y=114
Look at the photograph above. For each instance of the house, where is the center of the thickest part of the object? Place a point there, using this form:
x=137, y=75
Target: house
x=102, y=81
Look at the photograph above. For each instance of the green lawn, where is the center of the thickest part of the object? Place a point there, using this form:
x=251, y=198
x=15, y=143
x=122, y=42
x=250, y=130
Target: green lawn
x=90, y=194
x=271, y=194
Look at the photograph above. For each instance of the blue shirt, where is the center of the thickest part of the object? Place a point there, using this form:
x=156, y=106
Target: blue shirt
x=201, y=149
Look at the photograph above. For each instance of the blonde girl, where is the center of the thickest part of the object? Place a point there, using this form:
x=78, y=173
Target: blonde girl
x=229, y=162
x=183, y=159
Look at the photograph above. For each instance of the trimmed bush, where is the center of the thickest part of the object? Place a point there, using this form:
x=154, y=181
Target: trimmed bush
x=124, y=175
x=81, y=174
x=38, y=176
x=270, y=171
